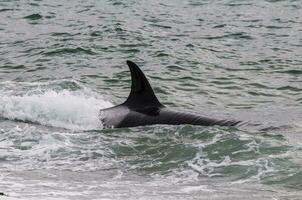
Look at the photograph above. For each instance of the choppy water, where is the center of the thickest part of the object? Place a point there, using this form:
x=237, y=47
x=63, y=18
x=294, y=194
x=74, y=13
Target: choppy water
x=62, y=61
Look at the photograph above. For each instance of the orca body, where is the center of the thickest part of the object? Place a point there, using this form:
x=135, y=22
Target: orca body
x=143, y=108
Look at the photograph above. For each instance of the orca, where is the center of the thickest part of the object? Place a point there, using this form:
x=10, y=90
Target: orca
x=143, y=108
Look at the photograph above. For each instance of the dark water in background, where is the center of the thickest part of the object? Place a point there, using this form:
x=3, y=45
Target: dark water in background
x=61, y=61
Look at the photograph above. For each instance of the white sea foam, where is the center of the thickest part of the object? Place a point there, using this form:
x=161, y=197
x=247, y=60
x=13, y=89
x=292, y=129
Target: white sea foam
x=74, y=110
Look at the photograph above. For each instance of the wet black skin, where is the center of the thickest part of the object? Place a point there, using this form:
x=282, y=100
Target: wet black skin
x=143, y=108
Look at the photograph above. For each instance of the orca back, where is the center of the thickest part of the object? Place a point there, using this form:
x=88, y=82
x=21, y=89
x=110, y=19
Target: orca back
x=143, y=108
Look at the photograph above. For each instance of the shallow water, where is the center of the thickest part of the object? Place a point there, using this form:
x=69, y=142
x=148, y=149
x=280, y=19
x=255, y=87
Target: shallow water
x=61, y=62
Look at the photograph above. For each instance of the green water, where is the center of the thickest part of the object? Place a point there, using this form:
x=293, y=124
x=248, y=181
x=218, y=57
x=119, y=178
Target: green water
x=62, y=61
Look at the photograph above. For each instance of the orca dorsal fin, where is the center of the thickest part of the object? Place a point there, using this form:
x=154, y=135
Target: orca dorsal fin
x=141, y=94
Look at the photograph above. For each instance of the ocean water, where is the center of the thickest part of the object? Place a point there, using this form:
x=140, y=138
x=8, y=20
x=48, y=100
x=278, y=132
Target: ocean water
x=63, y=61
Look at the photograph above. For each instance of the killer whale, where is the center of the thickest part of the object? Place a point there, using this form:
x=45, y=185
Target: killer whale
x=143, y=108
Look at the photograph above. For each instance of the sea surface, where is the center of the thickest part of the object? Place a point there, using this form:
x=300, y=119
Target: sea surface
x=63, y=61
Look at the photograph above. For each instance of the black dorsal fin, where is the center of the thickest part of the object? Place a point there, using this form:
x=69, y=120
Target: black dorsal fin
x=141, y=94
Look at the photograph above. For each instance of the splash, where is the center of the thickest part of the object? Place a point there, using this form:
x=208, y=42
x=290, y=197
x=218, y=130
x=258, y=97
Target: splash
x=64, y=108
